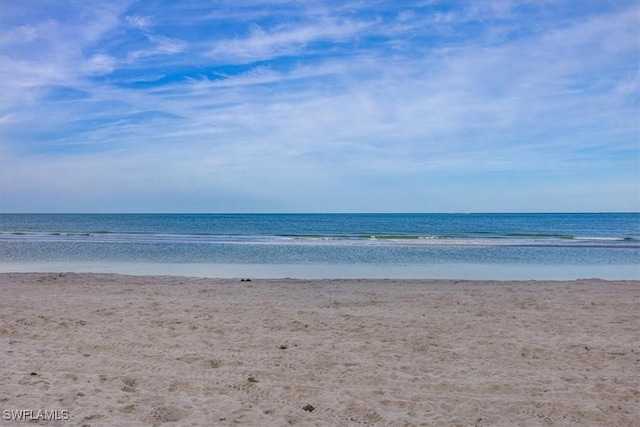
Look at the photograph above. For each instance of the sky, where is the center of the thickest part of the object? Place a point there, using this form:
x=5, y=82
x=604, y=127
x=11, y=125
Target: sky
x=320, y=106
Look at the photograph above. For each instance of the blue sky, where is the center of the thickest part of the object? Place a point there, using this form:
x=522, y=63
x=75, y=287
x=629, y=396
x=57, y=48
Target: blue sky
x=320, y=106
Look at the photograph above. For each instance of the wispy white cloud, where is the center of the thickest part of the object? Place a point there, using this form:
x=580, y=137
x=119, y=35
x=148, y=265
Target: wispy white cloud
x=54, y=52
x=137, y=21
x=160, y=46
x=263, y=44
x=100, y=64
x=27, y=33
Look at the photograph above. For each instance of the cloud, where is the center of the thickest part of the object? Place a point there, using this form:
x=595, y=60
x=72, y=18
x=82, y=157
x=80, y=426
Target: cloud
x=27, y=33
x=53, y=53
x=100, y=64
x=137, y=21
x=160, y=46
x=263, y=44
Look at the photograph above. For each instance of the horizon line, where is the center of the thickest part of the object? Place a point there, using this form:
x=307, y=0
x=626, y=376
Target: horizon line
x=325, y=213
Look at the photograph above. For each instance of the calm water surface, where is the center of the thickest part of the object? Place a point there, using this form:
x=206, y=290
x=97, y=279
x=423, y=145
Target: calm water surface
x=474, y=246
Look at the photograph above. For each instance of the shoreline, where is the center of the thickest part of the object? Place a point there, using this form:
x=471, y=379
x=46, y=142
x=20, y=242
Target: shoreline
x=155, y=350
x=276, y=280
x=347, y=271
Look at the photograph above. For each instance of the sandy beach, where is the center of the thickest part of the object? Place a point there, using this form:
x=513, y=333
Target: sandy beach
x=141, y=350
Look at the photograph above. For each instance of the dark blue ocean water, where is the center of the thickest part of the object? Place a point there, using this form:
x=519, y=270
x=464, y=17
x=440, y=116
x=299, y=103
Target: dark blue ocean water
x=327, y=245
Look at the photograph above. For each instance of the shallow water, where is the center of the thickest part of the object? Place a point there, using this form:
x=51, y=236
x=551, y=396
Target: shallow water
x=475, y=246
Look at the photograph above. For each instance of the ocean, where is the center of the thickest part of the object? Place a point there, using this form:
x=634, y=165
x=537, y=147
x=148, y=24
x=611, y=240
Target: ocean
x=542, y=246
